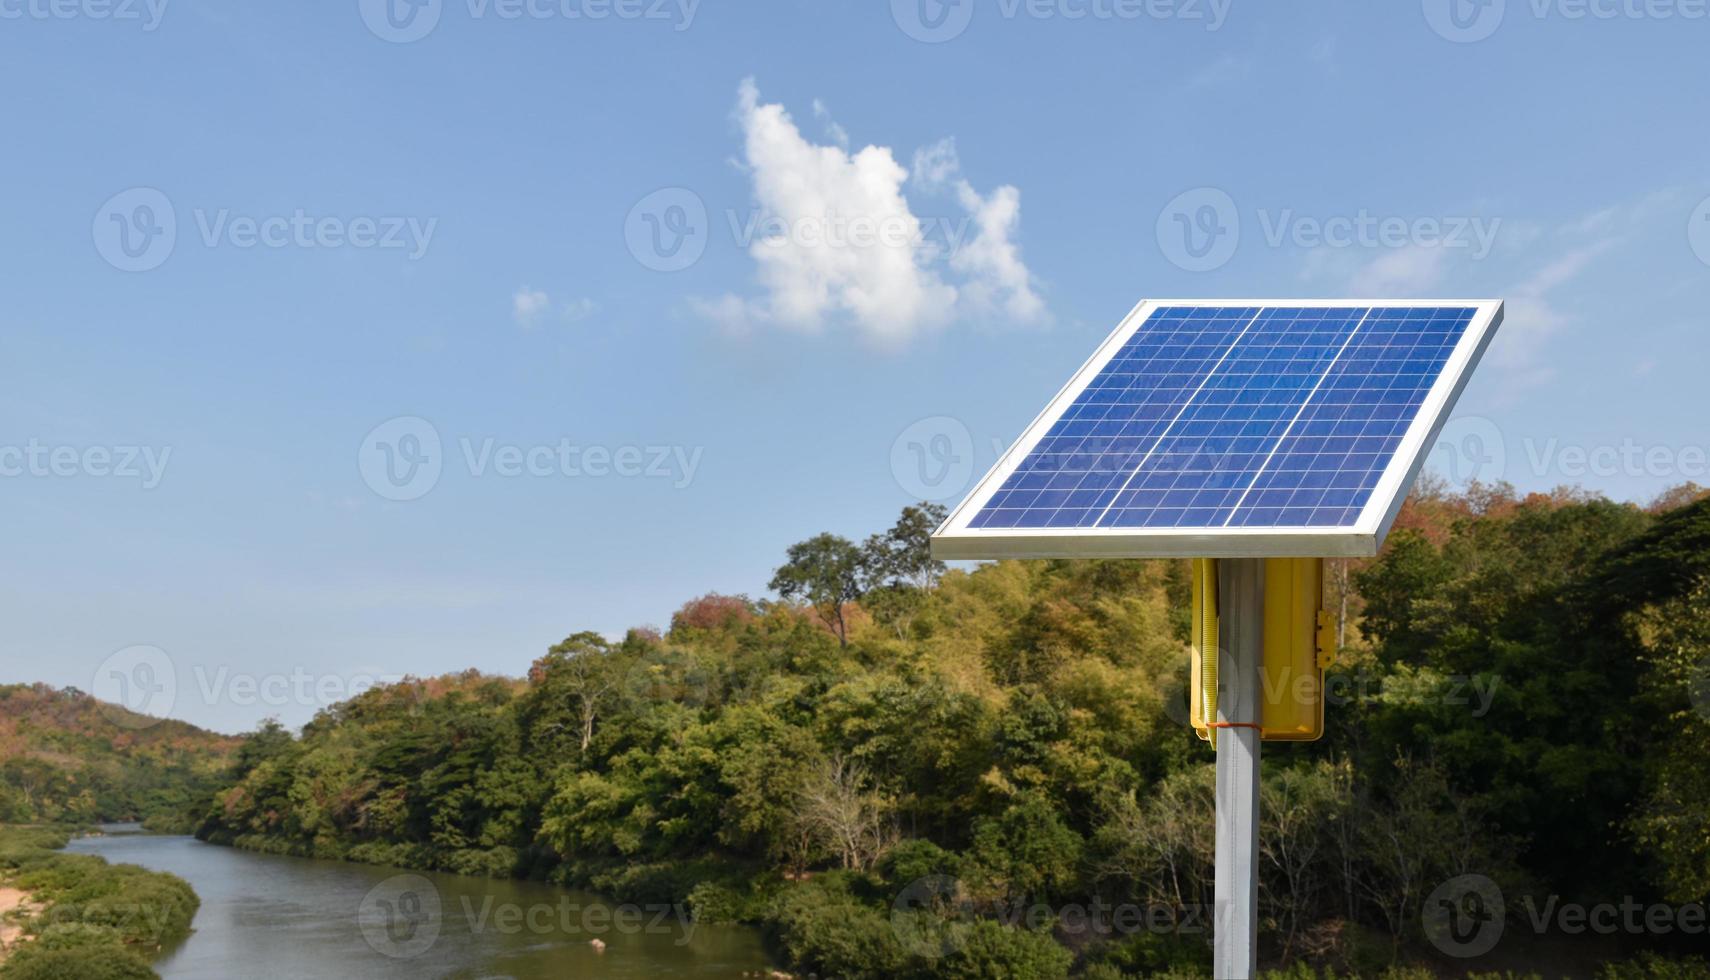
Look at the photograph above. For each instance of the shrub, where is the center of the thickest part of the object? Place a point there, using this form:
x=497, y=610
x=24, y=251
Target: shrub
x=497, y=862
x=724, y=902
x=822, y=928
x=72, y=935
x=990, y=951
x=76, y=963
x=914, y=859
x=95, y=915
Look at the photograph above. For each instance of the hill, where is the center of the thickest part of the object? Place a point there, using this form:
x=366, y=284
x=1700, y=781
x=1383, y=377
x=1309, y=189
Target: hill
x=68, y=757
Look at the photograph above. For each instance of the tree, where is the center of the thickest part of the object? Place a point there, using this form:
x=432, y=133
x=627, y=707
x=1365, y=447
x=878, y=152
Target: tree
x=578, y=680
x=1297, y=805
x=897, y=568
x=1027, y=852
x=825, y=572
x=903, y=555
x=1672, y=821
x=846, y=816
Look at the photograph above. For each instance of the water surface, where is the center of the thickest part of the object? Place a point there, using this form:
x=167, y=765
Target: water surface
x=264, y=915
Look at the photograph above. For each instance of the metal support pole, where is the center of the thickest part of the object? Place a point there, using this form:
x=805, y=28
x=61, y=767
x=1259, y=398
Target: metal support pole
x=1241, y=614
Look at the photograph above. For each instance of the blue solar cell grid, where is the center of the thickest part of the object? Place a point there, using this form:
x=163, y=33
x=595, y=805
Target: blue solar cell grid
x=1213, y=417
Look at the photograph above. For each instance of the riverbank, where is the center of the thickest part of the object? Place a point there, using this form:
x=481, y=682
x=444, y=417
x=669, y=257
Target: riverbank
x=16, y=905
x=77, y=916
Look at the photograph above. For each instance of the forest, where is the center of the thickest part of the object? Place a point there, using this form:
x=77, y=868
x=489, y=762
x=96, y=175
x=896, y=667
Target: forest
x=68, y=758
x=902, y=770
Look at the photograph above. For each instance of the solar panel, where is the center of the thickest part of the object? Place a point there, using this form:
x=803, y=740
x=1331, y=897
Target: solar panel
x=1271, y=428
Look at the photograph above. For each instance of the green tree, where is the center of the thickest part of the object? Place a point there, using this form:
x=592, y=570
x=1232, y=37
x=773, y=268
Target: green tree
x=578, y=680
x=826, y=572
x=898, y=570
x=903, y=555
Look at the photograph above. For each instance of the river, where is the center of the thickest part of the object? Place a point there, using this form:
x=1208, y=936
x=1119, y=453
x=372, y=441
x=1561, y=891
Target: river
x=264, y=915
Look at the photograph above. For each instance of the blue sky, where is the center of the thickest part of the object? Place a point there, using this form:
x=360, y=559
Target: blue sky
x=485, y=219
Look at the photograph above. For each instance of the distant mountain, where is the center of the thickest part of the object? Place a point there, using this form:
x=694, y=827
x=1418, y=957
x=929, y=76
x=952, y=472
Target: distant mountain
x=67, y=756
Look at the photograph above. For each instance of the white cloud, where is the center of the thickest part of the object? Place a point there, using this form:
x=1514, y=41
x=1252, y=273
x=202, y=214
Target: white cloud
x=997, y=278
x=1225, y=70
x=838, y=134
x=839, y=242
x=1537, y=310
x=1534, y=316
x=934, y=165
x=528, y=304
x=1401, y=272
x=733, y=315
x=1541, y=304
x=578, y=309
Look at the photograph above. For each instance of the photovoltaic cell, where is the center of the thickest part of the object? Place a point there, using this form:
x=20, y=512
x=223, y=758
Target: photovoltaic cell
x=1215, y=417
